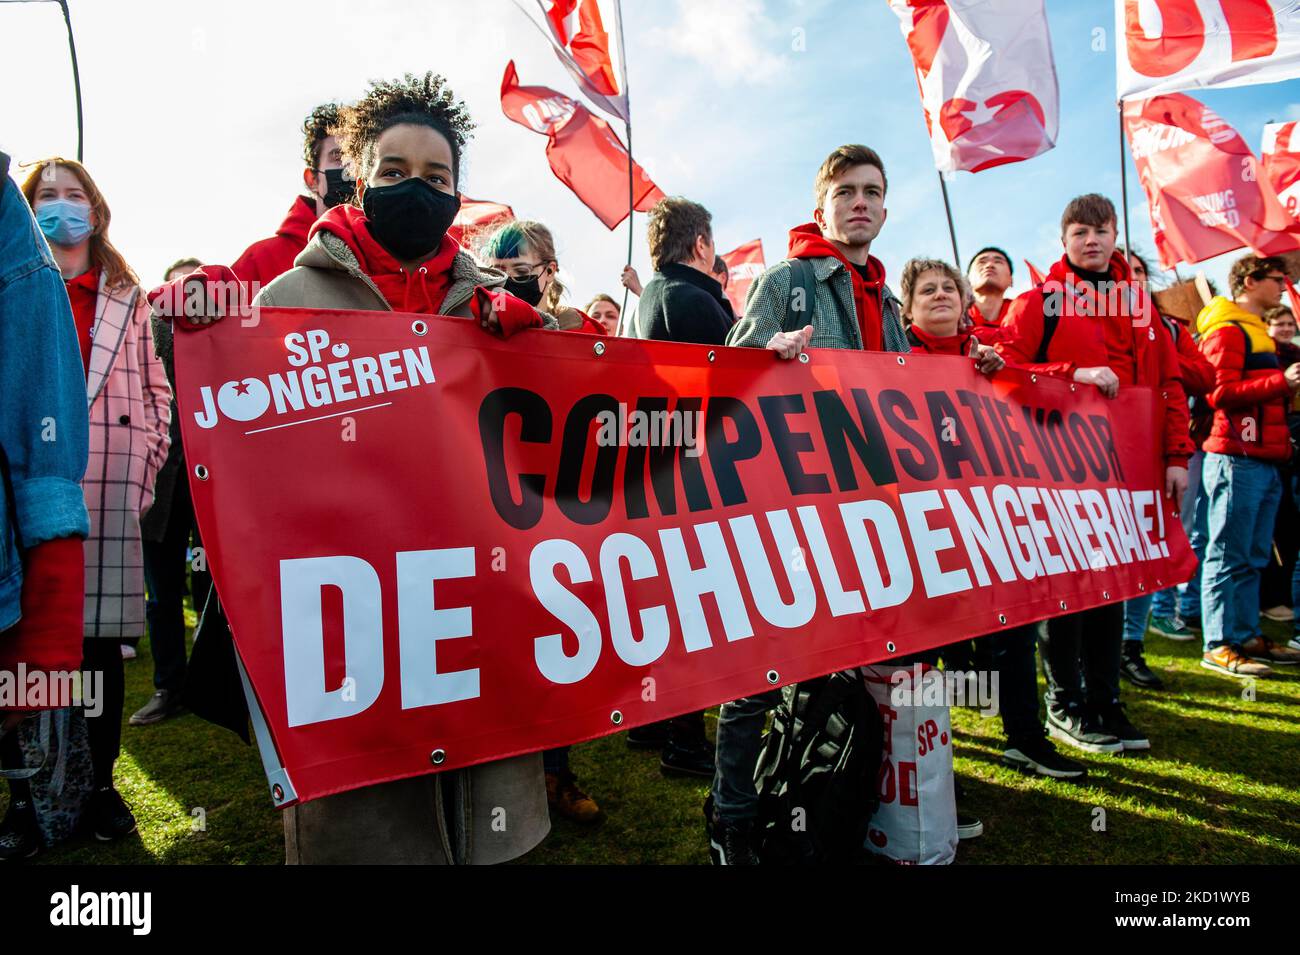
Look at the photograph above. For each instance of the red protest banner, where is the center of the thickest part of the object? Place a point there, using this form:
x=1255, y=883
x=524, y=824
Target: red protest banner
x=427, y=539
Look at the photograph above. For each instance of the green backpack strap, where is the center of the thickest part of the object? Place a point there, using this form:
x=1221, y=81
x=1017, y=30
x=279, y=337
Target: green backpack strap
x=802, y=303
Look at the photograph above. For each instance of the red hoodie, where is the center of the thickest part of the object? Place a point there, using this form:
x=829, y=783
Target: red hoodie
x=264, y=261
x=420, y=290
x=959, y=344
x=807, y=242
x=1108, y=336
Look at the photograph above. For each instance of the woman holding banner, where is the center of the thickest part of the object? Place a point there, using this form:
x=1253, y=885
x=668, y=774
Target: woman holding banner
x=932, y=296
x=525, y=251
x=388, y=250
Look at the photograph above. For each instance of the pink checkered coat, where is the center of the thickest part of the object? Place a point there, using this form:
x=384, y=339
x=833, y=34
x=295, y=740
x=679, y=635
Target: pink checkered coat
x=129, y=399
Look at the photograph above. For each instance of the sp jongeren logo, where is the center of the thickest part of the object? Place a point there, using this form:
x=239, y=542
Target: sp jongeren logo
x=321, y=374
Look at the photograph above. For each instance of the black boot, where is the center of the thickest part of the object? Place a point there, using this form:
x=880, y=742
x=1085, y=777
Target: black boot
x=1133, y=667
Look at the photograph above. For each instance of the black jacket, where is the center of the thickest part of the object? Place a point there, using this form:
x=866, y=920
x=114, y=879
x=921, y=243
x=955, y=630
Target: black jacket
x=682, y=304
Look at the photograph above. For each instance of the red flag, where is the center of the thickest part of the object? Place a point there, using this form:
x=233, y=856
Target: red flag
x=744, y=264
x=1294, y=297
x=1202, y=183
x=1036, y=275
x=1169, y=45
x=1280, y=158
x=576, y=30
x=584, y=152
x=477, y=217
x=986, y=76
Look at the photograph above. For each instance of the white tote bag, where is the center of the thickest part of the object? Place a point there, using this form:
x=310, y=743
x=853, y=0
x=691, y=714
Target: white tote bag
x=916, y=823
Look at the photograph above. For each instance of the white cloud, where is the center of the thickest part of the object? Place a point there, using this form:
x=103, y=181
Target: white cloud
x=734, y=39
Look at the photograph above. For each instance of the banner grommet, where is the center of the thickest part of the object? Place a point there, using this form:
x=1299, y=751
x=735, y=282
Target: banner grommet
x=420, y=328
x=1142, y=588
x=1062, y=604
x=616, y=718
x=713, y=356
x=901, y=360
x=598, y=348
x=201, y=472
x=773, y=677
x=889, y=645
x=1002, y=618
x=803, y=358
x=438, y=757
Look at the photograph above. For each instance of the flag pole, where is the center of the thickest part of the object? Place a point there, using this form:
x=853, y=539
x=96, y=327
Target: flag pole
x=627, y=125
x=1123, y=181
x=952, y=230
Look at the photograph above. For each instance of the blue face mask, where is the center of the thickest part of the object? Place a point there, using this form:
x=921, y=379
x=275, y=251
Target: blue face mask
x=64, y=222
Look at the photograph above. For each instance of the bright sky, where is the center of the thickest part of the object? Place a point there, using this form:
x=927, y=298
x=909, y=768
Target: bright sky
x=193, y=113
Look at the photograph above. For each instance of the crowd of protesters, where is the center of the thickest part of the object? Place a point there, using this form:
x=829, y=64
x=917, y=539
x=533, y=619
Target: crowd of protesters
x=98, y=535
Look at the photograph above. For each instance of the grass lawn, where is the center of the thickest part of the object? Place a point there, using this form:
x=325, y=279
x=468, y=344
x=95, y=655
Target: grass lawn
x=1221, y=784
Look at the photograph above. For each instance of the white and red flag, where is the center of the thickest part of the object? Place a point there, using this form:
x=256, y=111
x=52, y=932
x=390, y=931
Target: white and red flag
x=1169, y=45
x=744, y=264
x=584, y=153
x=579, y=33
x=987, y=79
x=1280, y=158
x=477, y=217
x=1202, y=183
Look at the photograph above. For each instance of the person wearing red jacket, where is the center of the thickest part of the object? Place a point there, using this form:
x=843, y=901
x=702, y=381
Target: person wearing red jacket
x=931, y=293
x=328, y=185
x=1248, y=440
x=1091, y=323
x=989, y=273
x=1197, y=377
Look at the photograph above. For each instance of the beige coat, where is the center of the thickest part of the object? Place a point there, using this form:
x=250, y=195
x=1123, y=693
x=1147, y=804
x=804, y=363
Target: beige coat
x=481, y=815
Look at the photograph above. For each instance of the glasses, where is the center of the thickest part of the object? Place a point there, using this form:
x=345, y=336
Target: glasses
x=521, y=272
x=1279, y=279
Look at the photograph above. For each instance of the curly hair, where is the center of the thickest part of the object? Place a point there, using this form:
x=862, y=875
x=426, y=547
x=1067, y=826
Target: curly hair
x=420, y=100
x=315, y=128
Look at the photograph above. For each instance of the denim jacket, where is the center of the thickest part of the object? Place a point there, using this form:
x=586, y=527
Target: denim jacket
x=44, y=424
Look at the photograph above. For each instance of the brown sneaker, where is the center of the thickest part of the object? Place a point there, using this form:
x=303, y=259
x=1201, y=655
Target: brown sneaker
x=1226, y=659
x=564, y=796
x=1266, y=651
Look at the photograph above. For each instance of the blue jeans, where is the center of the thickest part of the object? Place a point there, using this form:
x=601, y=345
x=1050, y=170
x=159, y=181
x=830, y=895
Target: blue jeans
x=1242, y=496
x=1196, y=524
x=740, y=739
x=1136, y=611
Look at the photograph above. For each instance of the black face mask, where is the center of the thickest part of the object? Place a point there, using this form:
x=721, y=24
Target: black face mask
x=338, y=188
x=529, y=289
x=409, y=219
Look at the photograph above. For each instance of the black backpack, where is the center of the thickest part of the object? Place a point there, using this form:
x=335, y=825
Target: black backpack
x=800, y=307
x=818, y=772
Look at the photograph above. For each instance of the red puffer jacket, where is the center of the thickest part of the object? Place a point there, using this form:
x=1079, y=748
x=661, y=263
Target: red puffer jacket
x=1250, y=391
x=1121, y=333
